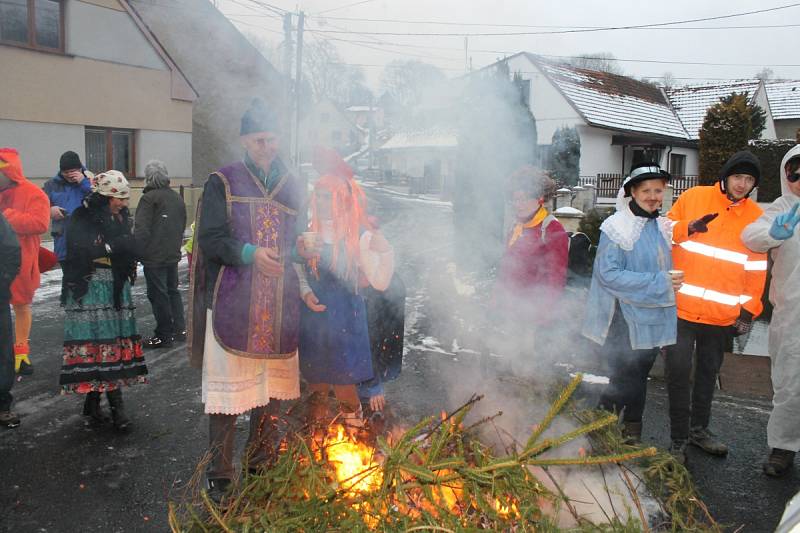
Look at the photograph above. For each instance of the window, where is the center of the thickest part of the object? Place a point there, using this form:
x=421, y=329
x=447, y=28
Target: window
x=108, y=148
x=336, y=136
x=677, y=164
x=33, y=23
x=646, y=155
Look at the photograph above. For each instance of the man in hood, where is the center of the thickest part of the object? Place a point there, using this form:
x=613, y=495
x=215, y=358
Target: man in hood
x=159, y=227
x=66, y=190
x=27, y=209
x=720, y=296
x=776, y=232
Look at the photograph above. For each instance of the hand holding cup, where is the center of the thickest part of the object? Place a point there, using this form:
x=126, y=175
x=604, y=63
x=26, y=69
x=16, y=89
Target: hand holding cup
x=677, y=279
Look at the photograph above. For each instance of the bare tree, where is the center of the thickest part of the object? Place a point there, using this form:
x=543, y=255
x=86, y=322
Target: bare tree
x=765, y=74
x=668, y=80
x=602, y=61
x=408, y=81
x=328, y=75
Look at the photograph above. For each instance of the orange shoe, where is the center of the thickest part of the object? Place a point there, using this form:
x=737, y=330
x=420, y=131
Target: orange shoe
x=22, y=362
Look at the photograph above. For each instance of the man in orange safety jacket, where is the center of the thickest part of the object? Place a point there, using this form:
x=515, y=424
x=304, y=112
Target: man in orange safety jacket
x=720, y=296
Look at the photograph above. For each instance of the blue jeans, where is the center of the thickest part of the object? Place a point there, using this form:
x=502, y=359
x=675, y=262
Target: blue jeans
x=162, y=291
x=6, y=356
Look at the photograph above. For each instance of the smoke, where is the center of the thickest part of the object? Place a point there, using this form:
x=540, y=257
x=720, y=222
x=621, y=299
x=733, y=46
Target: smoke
x=511, y=351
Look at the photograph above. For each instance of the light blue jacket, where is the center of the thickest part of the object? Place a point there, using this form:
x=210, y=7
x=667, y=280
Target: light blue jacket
x=639, y=280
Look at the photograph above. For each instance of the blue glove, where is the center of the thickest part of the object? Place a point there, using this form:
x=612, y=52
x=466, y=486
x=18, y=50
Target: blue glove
x=784, y=224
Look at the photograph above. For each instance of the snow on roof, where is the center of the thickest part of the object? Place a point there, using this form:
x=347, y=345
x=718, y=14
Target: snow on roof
x=613, y=101
x=692, y=101
x=784, y=99
x=358, y=108
x=422, y=139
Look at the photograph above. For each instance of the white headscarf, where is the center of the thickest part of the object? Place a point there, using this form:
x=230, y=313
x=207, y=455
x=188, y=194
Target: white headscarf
x=112, y=183
x=624, y=228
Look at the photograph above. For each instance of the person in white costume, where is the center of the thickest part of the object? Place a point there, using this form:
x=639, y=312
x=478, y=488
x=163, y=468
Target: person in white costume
x=776, y=231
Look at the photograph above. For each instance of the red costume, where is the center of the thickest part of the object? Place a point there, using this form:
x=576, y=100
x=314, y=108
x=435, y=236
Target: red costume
x=27, y=209
x=533, y=272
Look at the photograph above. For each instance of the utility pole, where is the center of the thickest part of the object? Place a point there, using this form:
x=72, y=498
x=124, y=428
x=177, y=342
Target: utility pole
x=466, y=53
x=287, y=75
x=298, y=87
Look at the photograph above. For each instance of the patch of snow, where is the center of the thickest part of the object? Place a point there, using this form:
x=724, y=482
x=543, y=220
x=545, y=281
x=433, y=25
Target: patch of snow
x=567, y=210
x=591, y=378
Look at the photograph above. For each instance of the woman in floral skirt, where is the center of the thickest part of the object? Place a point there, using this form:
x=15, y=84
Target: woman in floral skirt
x=102, y=348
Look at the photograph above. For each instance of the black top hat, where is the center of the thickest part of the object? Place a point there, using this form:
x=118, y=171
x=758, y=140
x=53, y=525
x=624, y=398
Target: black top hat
x=642, y=172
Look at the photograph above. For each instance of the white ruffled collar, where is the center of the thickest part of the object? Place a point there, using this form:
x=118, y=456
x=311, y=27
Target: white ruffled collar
x=624, y=228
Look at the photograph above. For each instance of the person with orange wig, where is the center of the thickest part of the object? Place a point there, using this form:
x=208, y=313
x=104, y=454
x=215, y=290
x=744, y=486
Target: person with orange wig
x=349, y=254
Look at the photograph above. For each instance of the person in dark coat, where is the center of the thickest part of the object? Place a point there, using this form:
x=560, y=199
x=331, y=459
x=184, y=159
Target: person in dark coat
x=10, y=259
x=66, y=191
x=159, y=227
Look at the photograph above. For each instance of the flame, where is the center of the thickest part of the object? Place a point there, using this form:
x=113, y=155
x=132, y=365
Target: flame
x=506, y=509
x=357, y=471
x=353, y=462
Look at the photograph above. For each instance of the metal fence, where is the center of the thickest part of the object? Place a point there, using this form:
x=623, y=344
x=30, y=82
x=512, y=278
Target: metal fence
x=608, y=184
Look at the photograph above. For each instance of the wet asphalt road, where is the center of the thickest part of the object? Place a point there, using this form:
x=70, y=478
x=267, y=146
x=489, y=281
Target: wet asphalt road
x=59, y=475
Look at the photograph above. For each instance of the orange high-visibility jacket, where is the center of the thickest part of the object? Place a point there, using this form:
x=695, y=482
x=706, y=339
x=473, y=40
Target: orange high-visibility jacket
x=721, y=274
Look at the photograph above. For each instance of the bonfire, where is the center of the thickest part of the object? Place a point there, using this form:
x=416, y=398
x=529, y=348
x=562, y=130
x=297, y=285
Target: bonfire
x=436, y=476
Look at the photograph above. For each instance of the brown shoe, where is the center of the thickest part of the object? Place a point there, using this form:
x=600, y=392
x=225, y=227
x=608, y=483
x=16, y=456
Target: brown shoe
x=779, y=462
x=706, y=441
x=9, y=419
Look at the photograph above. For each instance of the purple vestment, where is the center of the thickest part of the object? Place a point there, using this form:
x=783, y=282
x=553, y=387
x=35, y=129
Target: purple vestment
x=254, y=315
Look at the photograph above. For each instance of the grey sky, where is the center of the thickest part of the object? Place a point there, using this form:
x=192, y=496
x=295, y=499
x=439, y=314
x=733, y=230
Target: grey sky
x=757, y=48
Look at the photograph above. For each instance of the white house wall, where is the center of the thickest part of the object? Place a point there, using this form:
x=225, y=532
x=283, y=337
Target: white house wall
x=598, y=155
x=763, y=103
x=40, y=145
x=106, y=34
x=173, y=148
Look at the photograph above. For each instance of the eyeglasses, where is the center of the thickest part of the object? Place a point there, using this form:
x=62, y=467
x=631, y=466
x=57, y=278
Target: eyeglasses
x=793, y=177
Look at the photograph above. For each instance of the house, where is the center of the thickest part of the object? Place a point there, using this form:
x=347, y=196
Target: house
x=622, y=121
x=692, y=102
x=784, y=102
x=227, y=71
x=426, y=158
x=360, y=116
x=89, y=76
x=327, y=125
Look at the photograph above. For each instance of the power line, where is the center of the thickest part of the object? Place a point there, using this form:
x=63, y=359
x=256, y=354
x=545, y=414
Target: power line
x=345, y=6
x=576, y=30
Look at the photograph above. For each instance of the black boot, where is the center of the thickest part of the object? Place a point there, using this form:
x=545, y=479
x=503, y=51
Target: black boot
x=121, y=420
x=91, y=408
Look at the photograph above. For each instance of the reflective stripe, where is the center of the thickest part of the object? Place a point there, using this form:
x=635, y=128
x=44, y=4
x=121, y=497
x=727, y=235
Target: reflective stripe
x=713, y=296
x=715, y=252
x=755, y=265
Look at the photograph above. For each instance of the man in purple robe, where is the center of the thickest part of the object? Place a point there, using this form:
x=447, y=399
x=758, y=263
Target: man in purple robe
x=245, y=298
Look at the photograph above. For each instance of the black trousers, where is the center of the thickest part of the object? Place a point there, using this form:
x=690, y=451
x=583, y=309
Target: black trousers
x=690, y=405
x=628, y=369
x=162, y=291
x=6, y=356
x=260, y=442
